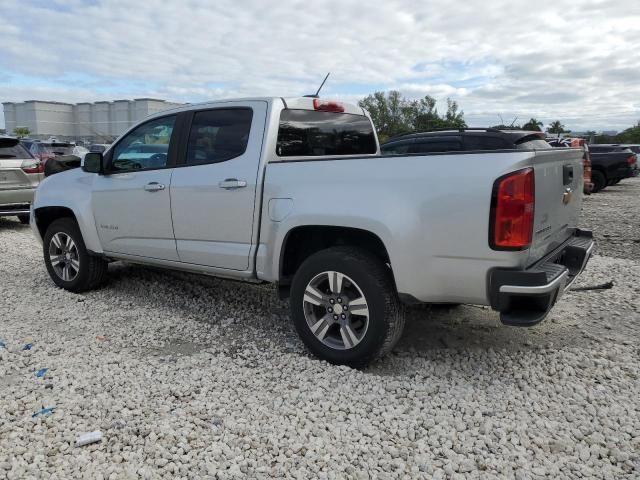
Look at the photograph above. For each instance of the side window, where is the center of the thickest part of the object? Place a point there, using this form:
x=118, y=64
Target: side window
x=483, y=142
x=436, y=145
x=218, y=135
x=146, y=147
x=396, y=148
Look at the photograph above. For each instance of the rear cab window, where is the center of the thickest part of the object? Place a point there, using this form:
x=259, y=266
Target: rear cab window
x=310, y=133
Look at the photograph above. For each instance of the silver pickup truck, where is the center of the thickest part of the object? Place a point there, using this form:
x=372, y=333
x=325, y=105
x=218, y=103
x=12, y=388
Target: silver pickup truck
x=295, y=192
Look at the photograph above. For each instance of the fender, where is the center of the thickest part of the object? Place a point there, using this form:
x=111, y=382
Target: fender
x=73, y=190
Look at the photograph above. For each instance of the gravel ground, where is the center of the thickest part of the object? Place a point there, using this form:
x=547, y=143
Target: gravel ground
x=194, y=377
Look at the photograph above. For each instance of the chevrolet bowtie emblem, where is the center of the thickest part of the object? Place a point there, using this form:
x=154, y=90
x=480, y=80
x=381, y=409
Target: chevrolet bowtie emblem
x=566, y=196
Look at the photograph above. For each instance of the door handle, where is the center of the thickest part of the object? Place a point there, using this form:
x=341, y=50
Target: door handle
x=232, y=183
x=153, y=187
x=567, y=174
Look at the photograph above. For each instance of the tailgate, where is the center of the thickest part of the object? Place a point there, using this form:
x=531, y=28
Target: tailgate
x=12, y=176
x=558, y=201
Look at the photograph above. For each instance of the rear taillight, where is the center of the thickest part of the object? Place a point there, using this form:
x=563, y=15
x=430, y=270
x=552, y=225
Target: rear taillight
x=586, y=164
x=512, y=208
x=632, y=159
x=327, y=106
x=32, y=166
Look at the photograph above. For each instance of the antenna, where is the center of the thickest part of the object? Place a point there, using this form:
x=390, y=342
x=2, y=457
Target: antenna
x=514, y=121
x=317, y=94
x=501, y=120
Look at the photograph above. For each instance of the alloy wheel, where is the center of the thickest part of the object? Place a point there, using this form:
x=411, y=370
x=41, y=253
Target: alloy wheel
x=336, y=310
x=64, y=257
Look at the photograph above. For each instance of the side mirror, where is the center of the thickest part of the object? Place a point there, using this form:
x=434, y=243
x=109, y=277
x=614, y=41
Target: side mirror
x=93, y=163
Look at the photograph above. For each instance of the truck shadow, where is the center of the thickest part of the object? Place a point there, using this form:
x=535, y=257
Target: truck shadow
x=259, y=317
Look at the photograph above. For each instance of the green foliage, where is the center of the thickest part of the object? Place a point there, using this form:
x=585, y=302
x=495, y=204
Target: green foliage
x=533, y=125
x=393, y=114
x=630, y=135
x=557, y=127
x=21, y=132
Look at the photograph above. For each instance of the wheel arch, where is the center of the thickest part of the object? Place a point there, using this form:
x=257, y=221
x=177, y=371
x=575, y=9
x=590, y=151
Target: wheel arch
x=47, y=214
x=303, y=241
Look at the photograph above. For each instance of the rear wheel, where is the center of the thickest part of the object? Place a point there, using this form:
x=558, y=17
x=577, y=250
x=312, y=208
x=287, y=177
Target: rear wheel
x=599, y=180
x=68, y=262
x=24, y=219
x=344, y=306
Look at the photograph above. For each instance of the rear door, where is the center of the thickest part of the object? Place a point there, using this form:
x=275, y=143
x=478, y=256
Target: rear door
x=213, y=190
x=558, y=201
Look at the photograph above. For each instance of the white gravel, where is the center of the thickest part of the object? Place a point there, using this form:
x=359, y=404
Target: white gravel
x=192, y=377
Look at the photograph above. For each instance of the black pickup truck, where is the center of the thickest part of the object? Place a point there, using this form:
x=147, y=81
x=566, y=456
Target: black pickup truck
x=610, y=164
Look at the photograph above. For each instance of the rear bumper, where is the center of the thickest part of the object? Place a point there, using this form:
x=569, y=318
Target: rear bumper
x=16, y=201
x=525, y=297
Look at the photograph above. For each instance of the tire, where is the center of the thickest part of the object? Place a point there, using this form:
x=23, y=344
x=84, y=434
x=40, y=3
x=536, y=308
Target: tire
x=83, y=271
x=376, y=327
x=24, y=219
x=599, y=181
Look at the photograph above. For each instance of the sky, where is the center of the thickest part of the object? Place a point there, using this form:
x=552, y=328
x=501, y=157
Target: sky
x=575, y=61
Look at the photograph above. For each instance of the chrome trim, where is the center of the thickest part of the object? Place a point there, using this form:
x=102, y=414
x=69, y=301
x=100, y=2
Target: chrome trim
x=8, y=213
x=587, y=256
x=557, y=282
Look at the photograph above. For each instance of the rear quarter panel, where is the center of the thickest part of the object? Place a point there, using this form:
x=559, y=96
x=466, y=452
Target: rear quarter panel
x=430, y=211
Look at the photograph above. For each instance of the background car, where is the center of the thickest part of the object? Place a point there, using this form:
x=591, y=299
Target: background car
x=464, y=139
x=45, y=150
x=570, y=142
x=635, y=148
x=20, y=174
x=610, y=164
x=99, y=147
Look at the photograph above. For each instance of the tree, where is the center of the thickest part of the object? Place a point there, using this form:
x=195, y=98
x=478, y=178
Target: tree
x=388, y=112
x=556, y=127
x=21, y=132
x=630, y=135
x=453, y=118
x=533, y=125
x=393, y=114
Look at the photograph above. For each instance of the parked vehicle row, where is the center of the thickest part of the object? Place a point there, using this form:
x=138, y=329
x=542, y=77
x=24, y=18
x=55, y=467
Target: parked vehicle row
x=611, y=164
x=481, y=139
x=46, y=150
x=20, y=174
x=295, y=192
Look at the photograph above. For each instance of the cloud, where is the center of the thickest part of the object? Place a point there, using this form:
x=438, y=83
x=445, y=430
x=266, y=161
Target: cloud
x=564, y=59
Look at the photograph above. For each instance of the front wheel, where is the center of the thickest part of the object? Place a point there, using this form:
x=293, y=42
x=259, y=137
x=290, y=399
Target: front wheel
x=344, y=306
x=68, y=262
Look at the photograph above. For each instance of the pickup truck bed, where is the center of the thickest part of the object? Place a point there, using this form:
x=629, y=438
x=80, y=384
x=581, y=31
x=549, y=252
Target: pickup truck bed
x=295, y=192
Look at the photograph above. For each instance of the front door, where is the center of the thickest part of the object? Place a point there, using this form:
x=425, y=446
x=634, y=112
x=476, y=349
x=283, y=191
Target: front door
x=131, y=203
x=213, y=192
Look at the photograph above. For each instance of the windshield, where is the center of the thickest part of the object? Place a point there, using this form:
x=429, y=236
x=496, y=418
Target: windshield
x=59, y=148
